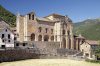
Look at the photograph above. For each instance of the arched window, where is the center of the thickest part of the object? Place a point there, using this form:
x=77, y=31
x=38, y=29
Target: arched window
x=40, y=38
x=52, y=38
x=51, y=31
x=32, y=37
x=40, y=29
x=69, y=43
x=68, y=32
x=46, y=38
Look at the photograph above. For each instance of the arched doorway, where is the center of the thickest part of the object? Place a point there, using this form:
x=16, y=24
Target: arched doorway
x=46, y=38
x=64, y=43
x=69, y=43
x=40, y=38
x=52, y=38
x=32, y=37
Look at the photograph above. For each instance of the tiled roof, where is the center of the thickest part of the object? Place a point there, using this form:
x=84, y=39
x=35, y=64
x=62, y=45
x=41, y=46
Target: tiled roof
x=44, y=19
x=3, y=24
x=80, y=36
x=92, y=42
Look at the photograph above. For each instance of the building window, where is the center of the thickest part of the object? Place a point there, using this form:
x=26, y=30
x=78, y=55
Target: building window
x=32, y=17
x=46, y=30
x=14, y=30
x=32, y=37
x=15, y=38
x=3, y=40
x=46, y=38
x=64, y=42
x=52, y=38
x=6, y=30
x=17, y=44
x=63, y=32
x=56, y=37
x=8, y=36
x=3, y=35
x=51, y=31
x=8, y=40
x=40, y=29
x=29, y=16
x=68, y=32
x=2, y=46
x=24, y=44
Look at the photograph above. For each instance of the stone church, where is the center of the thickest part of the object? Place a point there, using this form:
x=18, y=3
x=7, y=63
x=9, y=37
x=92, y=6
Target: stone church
x=51, y=28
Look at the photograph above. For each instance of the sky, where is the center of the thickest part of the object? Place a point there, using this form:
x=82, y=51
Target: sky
x=77, y=10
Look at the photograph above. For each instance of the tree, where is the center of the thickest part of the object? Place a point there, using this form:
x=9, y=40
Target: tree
x=97, y=51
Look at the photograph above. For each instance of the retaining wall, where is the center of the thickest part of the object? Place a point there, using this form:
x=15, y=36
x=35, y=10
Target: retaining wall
x=14, y=55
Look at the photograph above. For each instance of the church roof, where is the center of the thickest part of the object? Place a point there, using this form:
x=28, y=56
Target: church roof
x=44, y=19
x=55, y=15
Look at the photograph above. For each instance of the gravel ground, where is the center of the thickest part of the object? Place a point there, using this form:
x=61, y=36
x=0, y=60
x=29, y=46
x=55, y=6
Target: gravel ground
x=48, y=62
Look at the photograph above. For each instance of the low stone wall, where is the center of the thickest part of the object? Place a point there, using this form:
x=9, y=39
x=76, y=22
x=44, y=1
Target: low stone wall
x=47, y=47
x=42, y=47
x=49, y=50
x=14, y=55
x=66, y=52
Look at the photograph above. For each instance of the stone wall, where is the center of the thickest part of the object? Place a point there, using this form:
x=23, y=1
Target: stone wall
x=47, y=47
x=42, y=47
x=14, y=55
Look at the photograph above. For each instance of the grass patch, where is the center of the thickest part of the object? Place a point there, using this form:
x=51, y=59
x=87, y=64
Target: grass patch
x=93, y=61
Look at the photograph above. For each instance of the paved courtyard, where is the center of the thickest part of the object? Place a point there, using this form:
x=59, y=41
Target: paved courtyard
x=48, y=62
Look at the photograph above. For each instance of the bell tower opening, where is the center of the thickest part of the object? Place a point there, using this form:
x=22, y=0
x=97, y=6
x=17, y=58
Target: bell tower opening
x=33, y=17
x=29, y=16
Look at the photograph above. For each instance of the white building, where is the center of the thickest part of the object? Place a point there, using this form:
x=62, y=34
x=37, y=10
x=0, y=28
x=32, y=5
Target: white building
x=88, y=48
x=6, y=35
x=6, y=38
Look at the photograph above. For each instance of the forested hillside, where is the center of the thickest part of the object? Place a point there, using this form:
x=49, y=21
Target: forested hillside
x=89, y=28
x=7, y=16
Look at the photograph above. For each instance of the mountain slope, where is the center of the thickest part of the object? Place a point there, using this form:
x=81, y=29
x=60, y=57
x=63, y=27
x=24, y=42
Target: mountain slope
x=7, y=16
x=89, y=28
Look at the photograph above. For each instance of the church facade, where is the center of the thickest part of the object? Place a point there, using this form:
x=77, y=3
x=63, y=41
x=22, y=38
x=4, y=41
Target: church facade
x=52, y=28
